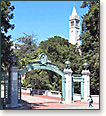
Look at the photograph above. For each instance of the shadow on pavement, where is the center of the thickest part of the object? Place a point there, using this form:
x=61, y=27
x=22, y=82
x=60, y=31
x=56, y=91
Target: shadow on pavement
x=27, y=105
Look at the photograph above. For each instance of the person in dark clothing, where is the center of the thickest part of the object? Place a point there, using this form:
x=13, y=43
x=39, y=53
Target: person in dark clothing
x=30, y=91
x=90, y=101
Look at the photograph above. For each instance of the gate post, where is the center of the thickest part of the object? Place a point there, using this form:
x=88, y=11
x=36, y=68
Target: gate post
x=82, y=89
x=63, y=89
x=72, y=89
x=68, y=85
x=13, y=83
x=85, y=76
x=19, y=88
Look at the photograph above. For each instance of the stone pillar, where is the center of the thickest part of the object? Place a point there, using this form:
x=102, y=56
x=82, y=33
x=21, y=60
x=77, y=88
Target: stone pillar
x=13, y=86
x=72, y=90
x=68, y=86
x=63, y=89
x=82, y=90
x=85, y=76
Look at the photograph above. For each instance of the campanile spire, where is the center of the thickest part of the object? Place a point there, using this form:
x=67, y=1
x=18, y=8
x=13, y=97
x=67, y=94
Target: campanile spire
x=74, y=13
x=74, y=27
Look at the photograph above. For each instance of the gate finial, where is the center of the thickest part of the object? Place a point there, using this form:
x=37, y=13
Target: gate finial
x=67, y=64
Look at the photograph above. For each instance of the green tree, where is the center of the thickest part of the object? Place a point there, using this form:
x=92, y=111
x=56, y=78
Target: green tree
x=6, y=16
x=38, y=79
x=90, y=41
x=59, y=50
x=26, y=49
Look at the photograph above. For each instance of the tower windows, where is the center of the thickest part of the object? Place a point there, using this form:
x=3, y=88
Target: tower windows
x=77, y=22
x=72, y=23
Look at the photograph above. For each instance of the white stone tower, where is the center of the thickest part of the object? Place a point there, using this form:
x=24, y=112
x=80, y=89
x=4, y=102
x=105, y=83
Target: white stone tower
x=74, y=28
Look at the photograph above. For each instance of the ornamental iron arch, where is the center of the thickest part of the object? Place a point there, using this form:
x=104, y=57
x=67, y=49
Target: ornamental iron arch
x=45, y=64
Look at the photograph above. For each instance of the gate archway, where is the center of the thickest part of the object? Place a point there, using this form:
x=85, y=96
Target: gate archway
x=42, y=63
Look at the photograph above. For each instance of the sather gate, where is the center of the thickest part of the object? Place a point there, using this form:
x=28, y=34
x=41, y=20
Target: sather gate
x=44, y=63
x=12, y=87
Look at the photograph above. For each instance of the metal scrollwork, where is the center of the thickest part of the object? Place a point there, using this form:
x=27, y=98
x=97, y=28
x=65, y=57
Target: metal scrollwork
x=43, y=58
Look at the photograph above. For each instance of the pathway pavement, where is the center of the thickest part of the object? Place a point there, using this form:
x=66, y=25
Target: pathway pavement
x=82, y=107
x=46, y=102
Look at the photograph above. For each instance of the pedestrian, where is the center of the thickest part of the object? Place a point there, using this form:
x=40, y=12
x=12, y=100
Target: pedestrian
x=30, y=91
x=90, y=101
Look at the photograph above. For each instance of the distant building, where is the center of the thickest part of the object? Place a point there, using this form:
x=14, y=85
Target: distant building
x=74, y=28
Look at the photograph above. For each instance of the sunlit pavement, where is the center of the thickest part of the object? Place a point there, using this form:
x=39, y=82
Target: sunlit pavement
x=83, y=106
x=46, y=102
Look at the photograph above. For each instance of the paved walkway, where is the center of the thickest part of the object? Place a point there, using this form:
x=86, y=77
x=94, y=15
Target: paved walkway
x=46, y=102
x=83, y=106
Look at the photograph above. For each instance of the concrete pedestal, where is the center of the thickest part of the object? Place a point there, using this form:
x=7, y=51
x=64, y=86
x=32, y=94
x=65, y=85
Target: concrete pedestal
x=85, y=75
x=68, y=86
x=14, y=86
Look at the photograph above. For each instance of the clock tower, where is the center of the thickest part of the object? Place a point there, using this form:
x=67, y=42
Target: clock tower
x=74, y=28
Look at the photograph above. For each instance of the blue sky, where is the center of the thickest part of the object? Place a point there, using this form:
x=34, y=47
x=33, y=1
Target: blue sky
x=43, y=18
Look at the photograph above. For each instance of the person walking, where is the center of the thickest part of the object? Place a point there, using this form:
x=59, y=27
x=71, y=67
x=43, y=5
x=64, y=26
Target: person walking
x=30, y=91
x=90, y=101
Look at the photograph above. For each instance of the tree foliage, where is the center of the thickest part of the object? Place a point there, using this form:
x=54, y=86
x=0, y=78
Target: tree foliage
x=90, y=41
x=59, y=50
x=25, y=49
x=6, y=16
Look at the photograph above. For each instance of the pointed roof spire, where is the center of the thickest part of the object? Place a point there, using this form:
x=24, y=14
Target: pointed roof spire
x=74, y=13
